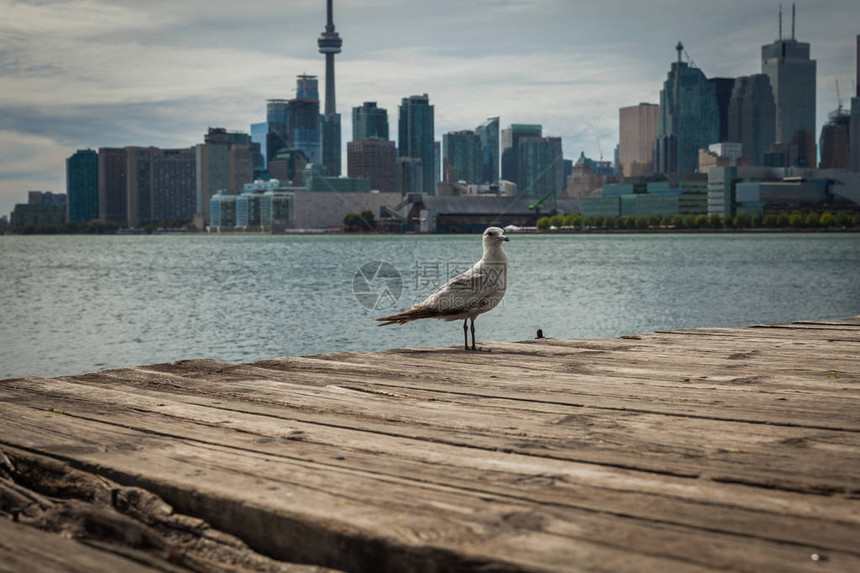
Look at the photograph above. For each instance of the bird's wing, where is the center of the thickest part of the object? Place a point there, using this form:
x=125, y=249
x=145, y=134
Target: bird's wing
x=467, y=290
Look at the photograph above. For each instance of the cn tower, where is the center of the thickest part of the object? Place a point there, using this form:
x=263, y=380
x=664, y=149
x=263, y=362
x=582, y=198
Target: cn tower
x=329, y=43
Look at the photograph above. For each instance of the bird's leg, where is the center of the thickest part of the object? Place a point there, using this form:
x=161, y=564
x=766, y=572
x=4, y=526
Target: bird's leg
x=473, y=334
x=466, y=334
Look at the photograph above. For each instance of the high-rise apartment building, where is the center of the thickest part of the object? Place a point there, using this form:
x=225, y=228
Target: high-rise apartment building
x=489, y=133
x=637, y=130
x=752, y=117
x=277, y=136
x=329, y=44
x=259, y=132
x=833, y=141
x=112, y=185
x=369, y=122
x=174, y=183
x=689, y=118
x=307, y=87
x=374, y=159
x=224, y=161
x=415, y=137
x=82, y=186
x=510, y=149
x=161, y=185
x=792, y=77
x=540, y=166
x=462, y=157
x=305, y=129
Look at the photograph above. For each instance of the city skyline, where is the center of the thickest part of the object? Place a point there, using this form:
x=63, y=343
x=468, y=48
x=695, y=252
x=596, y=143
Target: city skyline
x=69, y=84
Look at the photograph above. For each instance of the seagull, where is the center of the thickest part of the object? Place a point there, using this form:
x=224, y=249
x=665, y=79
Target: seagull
x=468, y=294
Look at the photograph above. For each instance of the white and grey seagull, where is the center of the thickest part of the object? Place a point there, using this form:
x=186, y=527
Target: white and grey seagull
x=468, y=294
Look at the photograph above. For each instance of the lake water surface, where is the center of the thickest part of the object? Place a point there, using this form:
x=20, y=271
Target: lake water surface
x=74, y=304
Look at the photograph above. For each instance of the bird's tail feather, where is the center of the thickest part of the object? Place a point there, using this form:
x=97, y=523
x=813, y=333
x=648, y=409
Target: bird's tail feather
x=414, y=313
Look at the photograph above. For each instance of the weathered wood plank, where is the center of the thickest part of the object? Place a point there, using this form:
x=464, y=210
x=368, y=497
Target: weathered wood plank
x=482, y=524
x=699, y=450
x=24, y=548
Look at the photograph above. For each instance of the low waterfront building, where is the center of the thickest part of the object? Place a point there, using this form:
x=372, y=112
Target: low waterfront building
x=42, y=209
x=222, y=210
x=673, y=197
x=248, y=207
x=757, y=190
x=276, y=210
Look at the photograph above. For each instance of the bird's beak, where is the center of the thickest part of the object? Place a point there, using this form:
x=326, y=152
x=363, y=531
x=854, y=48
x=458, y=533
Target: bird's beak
x=505, y=239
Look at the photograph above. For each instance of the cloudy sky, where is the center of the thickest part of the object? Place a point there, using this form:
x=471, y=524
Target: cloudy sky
x=96, y=73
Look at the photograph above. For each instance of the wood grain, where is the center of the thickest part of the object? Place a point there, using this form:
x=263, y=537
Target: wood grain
x=707, y=449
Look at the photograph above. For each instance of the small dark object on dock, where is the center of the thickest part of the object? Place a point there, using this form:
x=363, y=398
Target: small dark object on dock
x=114, y=493
x=16, y=511
x=539, y=334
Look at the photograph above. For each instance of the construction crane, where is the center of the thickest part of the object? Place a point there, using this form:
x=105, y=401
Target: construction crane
x=536, y=205
x=838, y=98
x=599, y=148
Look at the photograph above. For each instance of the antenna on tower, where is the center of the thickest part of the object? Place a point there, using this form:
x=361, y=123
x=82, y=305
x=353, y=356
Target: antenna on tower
x=780, y=22
x=792, y=20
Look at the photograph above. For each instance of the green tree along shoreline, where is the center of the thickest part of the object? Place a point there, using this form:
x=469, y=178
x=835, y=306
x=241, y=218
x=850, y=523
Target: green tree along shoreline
x=841, y=220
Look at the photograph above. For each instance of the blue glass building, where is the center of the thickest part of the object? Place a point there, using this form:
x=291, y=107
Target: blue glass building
x=689, y=118
x=489, y=133
x=369, y=122
x=416, y=129
x=462, y=157
x=82, y=186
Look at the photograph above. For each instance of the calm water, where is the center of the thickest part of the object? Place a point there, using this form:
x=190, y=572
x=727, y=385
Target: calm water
x=74, y=304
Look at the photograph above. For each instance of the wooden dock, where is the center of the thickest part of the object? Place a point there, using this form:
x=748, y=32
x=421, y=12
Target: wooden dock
x=708, y=449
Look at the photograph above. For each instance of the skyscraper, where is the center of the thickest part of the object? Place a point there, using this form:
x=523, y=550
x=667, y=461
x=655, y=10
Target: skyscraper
x=259, y=131
x=833, y=141
x=374, y=159
x=510, y=149
x=752, y=117
x=489, y=132
x=462, y=158
x=637, y=128
x=723, y=91
x=369, y=122
x=304, y=127
x=415, y=137
x=792, y=77
x=329, y=44
x=689, y=118
x=276, y=118
x=82, y=186
x=540, y=166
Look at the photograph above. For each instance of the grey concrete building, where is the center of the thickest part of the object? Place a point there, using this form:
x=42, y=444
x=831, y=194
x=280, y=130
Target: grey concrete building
x=752, y=117
x=792, y=77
